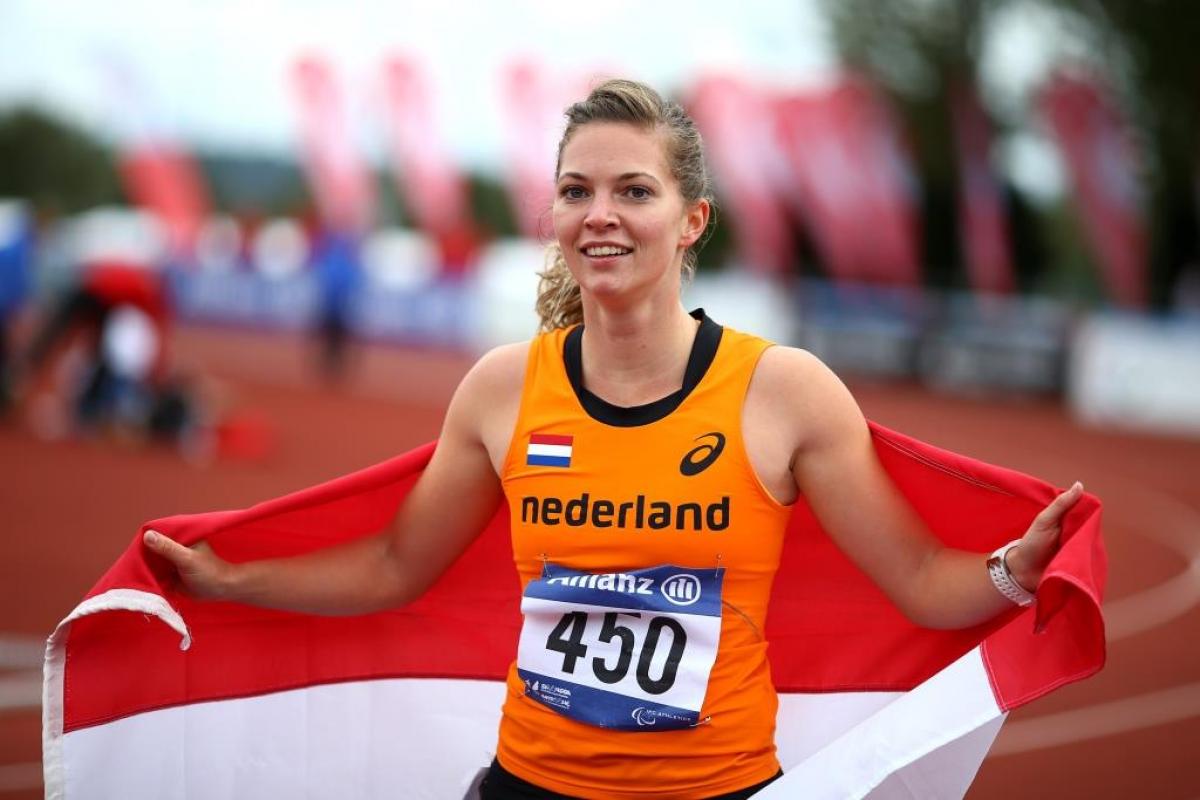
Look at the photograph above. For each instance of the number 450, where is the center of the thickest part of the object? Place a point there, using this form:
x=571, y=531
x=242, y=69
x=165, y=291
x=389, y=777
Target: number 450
x=567, y=638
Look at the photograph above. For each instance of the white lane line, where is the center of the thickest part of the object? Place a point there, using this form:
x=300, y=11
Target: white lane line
x=1103, y=719
x=14, y=777
x=21, y=659
x=18, y=651
x=20, y=690
x=1176, y=526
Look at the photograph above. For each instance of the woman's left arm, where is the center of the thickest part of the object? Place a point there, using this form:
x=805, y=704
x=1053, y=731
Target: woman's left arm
x=835, y=467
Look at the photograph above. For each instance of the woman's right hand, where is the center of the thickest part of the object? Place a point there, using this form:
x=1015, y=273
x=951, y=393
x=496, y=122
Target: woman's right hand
x=203, y=573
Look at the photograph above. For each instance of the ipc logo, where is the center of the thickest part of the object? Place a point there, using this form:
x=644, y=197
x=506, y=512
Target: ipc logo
x=682, y=590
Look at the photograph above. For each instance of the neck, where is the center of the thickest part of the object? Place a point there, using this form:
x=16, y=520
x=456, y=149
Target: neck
x=636, y=355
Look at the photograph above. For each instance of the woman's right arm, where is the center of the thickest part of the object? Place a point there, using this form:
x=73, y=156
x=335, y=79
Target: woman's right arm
x=446, y=509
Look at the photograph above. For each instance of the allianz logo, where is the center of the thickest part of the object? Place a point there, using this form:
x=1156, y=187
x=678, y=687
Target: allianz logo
x=680, y=590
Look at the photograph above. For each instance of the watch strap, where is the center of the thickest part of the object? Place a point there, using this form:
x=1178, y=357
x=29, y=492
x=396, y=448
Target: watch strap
x=1003, y=580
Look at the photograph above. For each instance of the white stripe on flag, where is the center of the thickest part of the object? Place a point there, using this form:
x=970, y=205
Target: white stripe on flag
x=912, y=747
x=554, y=450
x=411, y=738
x=365, y=739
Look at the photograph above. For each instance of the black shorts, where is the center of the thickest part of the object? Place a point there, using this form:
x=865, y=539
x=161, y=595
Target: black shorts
x=500, y=784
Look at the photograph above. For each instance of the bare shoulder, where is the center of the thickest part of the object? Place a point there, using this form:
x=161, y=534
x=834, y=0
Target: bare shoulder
x=501, y=369
x=488, y=400
x=798, y=392
x=783, y=367
x=795, y=378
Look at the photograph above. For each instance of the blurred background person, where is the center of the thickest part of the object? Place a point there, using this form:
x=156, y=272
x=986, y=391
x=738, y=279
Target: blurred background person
x=104, y=341
x=16, y=258
x=337, y=264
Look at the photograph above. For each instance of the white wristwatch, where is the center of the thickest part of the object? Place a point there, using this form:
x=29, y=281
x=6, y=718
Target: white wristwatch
x=1005, y=583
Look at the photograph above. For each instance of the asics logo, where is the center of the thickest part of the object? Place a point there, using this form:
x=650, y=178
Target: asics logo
x=702, y=456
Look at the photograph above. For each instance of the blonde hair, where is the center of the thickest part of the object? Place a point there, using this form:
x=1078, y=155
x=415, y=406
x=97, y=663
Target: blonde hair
x=559, y=304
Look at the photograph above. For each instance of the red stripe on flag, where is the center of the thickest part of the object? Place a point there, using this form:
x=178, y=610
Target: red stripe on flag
x=550, y=438
x=466, y=626
x=830, y=628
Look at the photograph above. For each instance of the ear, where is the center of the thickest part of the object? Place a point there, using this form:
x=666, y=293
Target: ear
x=694, y=222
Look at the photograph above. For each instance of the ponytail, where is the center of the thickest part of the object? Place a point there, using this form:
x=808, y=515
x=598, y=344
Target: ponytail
x=559, y=304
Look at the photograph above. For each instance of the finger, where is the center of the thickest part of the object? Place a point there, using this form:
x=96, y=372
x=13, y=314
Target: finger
x=1060, y=505
x=167, y=548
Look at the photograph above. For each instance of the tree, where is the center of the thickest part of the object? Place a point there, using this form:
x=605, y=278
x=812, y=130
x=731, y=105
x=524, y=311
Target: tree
x=1158, y=70
x=55, y=166
x=919, y=49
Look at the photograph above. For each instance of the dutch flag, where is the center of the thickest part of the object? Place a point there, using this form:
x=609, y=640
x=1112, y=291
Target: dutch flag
x=854, y=719
x=548, y=450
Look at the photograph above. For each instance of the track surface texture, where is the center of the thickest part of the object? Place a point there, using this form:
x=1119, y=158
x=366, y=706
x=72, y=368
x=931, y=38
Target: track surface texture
x=69, y=508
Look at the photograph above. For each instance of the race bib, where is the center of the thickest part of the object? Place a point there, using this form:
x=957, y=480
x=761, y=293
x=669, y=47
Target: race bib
x=624, y=650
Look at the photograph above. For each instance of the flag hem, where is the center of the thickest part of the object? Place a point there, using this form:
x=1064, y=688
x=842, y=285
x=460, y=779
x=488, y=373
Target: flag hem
x=54, y=670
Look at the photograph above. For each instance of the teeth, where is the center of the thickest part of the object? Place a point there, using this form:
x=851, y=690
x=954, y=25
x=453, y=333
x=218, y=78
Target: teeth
x=599, y=252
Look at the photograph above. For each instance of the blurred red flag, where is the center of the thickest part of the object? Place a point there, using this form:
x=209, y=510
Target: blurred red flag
x=853, y=172
x=434, y=189
x=736, y=119
x=336, y=172
x=165, y=181
x=157, y=173
x=983, y=222
x=534, y=102
x=1103, y=165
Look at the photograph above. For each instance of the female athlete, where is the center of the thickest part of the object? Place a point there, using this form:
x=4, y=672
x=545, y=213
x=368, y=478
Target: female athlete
x=649, y=458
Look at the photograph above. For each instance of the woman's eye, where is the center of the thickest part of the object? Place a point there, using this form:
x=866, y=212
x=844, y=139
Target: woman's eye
x=638, y=192
x=572, y=192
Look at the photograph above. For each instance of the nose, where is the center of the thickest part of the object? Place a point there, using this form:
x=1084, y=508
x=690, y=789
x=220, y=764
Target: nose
x=600, y=214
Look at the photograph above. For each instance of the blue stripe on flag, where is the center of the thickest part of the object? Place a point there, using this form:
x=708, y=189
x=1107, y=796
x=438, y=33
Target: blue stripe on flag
x=547, y=461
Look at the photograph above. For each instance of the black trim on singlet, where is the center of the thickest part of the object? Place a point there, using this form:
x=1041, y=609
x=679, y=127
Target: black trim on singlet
x=704, y=350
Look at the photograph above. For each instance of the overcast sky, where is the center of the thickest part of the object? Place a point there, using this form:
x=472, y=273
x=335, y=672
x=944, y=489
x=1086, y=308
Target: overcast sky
x=215, y=72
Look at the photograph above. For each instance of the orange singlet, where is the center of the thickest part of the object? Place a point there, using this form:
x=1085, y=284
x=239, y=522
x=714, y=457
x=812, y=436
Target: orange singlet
x=600, y=495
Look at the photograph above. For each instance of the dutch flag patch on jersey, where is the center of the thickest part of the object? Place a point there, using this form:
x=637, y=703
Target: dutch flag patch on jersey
x=548, y=450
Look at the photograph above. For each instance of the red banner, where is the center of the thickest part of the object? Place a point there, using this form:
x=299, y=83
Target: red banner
x=736, y=119
x=1103, y=165
x=853, y=173
x=157, y=173
x=339, y=179
x=165, y=181
x=535, y=103
x=983, y=222
x=434, y=189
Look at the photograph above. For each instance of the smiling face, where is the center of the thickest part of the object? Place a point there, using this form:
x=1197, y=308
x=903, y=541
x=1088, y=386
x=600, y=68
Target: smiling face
x=618, y=213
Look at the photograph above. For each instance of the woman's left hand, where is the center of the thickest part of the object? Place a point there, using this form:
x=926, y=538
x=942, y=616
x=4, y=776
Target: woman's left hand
x=1028, y=560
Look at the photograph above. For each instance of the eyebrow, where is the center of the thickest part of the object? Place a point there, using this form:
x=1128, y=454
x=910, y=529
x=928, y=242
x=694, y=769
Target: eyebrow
x=626, y=176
